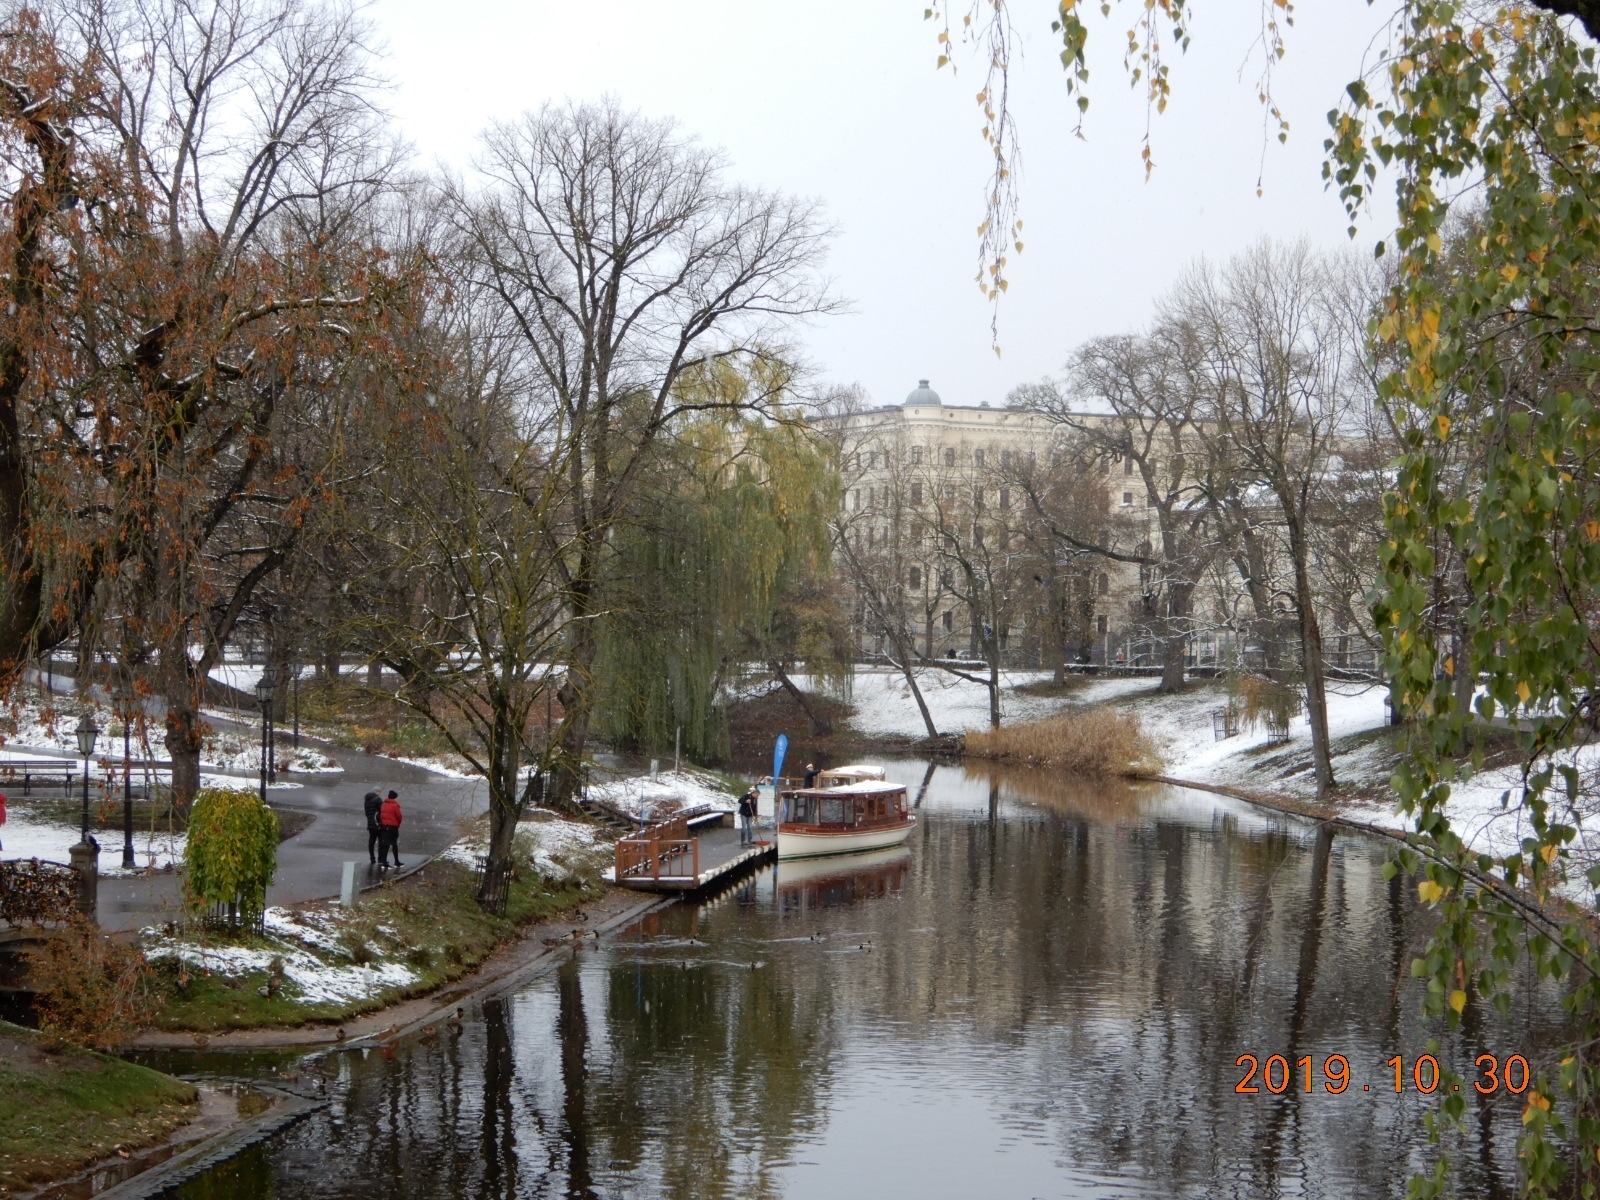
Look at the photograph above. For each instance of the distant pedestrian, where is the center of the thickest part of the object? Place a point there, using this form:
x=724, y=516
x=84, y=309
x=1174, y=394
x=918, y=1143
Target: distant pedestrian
x=389, y=841
x=811, y=775
x=370, y=804
x=747, y=816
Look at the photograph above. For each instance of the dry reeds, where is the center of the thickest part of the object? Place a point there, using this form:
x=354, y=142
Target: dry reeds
x=1087, y=741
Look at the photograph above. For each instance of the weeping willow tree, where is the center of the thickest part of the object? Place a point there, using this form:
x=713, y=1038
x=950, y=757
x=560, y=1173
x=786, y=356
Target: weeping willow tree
x=724, y=560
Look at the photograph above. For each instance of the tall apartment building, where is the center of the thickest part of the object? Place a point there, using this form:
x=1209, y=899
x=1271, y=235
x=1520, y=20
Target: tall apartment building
x=929, y=486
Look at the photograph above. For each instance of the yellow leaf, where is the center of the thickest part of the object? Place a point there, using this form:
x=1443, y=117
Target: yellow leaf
x=1443, y=423
x=1591, y=530
x=1524, y=691
x=1510, y=272
x=1458, y=999
x=1430, y=892
x=1548, y=853
x=1450, y=665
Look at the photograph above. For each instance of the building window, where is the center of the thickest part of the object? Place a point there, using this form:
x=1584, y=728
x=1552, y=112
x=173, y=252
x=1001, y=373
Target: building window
x=1103, y=584
x=1127, y=499
x=1005, y=499
x=950, y=492
x=1056, y=458
x=1100, y=624
x=1005, y=458
x=949, y=621
x=977, y=497
x=977, y=458
x=977, y=535
x=949, y=456
x=916, y=456
x=1127, y=465
x=872, y=460
x=916, y=578
x=872, y=536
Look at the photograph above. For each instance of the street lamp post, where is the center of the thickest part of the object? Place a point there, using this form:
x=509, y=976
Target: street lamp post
x=85, y=856
x=264, y=697
x=87, y=732
x=125, y=696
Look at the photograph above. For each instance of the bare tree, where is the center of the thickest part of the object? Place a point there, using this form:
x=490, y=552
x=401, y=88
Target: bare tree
x=1131, y=402
x=625, y=259
x=1284, y=360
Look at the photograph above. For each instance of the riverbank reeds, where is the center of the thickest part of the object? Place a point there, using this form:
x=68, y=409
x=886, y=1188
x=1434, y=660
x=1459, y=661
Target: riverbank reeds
x=1086, y=741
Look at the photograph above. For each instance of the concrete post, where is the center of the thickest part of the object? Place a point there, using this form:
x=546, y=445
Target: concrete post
x=85, y=859
x=347, y=885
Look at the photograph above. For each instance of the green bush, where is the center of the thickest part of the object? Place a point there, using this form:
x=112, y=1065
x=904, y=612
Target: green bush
x=232, y=853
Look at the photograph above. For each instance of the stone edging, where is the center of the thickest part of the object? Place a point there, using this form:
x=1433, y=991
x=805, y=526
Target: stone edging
x=218, y=1148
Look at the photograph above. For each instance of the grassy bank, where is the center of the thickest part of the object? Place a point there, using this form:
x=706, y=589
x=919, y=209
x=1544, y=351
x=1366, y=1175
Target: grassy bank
x=63, y=1108
x=320, y=963
x=1085, y=741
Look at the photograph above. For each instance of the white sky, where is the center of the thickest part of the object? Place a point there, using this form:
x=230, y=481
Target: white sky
x=839, y=100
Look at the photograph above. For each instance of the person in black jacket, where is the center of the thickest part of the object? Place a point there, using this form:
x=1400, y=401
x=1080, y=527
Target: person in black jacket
x=371, y=803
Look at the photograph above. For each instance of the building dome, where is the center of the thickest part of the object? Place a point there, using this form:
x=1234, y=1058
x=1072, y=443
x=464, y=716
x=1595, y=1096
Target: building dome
x=923, y=397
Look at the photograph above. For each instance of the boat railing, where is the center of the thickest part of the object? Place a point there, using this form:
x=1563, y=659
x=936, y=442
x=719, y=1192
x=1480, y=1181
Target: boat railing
x=666, y=848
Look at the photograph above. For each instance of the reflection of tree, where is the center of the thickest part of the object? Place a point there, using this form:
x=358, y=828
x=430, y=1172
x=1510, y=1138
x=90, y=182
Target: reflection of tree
x=572, y=1031
x=714, y=1069
x=498, y=1118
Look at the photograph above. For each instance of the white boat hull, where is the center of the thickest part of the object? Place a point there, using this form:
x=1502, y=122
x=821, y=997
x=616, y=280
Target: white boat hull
x=847, y=841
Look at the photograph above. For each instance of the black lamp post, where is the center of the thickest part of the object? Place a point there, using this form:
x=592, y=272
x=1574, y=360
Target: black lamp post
x=86, y=733
x=264, y=690
x=125, y=696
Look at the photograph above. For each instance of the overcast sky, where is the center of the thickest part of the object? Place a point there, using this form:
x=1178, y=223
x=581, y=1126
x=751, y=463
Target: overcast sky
x=839, y=100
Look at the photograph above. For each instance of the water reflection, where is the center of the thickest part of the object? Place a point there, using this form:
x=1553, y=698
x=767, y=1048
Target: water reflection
x=1044, y=995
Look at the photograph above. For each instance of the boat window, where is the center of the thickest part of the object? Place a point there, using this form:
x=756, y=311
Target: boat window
x=832, y=812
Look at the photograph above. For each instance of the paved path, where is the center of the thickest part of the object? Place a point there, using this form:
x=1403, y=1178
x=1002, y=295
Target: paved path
x=310, y=864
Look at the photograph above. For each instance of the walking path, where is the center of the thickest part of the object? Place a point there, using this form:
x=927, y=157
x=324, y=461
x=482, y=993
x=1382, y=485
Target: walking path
x=311, y=863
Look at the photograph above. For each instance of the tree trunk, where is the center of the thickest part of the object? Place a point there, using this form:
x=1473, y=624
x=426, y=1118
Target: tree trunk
x=820, y=725
x=185, y=731
x=994, y=686
x=1175, y=640
x=576, y=695
x=505, y=798
x=916, y=692
x=1310, y=650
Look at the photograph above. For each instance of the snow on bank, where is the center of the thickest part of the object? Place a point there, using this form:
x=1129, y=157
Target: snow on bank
x=884, y=704
x=655, y=799
x=302, y=943
x=559, y=850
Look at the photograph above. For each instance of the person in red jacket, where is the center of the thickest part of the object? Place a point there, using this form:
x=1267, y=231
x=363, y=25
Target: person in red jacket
x=389, y=830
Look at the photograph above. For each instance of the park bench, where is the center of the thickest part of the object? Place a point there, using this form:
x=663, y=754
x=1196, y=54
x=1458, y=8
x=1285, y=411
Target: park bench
x=37, y=772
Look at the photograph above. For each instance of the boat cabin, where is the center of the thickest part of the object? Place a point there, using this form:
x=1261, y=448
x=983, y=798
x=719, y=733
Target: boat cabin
x=864, y=804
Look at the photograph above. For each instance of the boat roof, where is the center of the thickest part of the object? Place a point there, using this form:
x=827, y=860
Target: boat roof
x=866, y=787
x=859, y=770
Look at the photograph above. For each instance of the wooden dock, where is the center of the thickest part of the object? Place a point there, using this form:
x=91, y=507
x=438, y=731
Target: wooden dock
x=684, y=855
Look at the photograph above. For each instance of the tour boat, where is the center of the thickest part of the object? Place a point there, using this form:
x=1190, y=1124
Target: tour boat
x=862, y=814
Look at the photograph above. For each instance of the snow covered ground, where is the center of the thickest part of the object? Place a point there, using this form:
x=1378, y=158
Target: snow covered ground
x=558, y=849
x=884, y=704
x=307, y=945
x=669, y=792
x=25, y=836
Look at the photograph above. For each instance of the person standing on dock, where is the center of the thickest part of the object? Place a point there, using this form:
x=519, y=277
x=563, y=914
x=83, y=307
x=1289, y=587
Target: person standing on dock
x=389, y=842
x=747, y=816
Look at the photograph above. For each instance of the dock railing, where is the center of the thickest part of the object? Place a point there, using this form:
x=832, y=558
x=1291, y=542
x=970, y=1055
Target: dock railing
x=662, y=849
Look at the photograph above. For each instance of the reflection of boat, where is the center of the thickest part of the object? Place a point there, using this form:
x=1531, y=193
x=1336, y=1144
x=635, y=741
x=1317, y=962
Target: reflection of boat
x=861, y=814
x=810, y=883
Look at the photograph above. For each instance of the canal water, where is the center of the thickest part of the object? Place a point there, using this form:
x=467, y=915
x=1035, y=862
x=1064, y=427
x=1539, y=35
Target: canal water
x=1046, y=994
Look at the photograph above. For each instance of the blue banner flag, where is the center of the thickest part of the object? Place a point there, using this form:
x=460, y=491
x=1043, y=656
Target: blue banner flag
x=778, y=752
